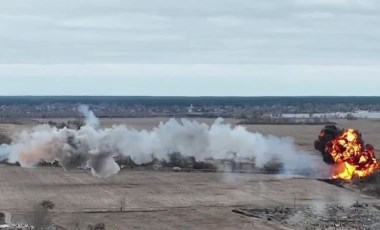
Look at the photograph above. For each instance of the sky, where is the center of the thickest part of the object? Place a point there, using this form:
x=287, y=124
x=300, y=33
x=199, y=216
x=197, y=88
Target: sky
x=190, y=48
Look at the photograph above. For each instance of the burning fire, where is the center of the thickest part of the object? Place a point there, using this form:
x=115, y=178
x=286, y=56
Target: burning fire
x=347, y=151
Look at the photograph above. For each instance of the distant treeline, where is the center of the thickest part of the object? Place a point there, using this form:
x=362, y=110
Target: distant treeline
x=185, y=101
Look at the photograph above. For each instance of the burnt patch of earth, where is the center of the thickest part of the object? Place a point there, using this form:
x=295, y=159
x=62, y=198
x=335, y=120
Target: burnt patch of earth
x=337, y=217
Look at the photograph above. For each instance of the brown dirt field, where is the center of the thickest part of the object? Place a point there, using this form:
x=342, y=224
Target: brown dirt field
x=168, y=200
x=161, y=200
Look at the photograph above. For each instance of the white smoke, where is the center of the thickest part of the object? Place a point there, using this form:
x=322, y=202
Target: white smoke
x=94, y=147
x=91, y=119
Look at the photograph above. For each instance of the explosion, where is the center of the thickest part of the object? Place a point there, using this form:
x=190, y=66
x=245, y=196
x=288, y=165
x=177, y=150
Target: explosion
x=345, y=149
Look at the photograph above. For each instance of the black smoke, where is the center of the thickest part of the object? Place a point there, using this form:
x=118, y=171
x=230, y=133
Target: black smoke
x=328, y=133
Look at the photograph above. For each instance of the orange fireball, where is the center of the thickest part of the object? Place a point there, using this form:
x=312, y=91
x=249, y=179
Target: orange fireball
x=352, y=158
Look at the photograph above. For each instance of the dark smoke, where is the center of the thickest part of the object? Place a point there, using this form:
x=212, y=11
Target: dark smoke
x=328, y=133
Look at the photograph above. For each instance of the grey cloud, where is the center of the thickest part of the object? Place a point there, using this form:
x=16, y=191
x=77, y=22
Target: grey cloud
x=234, y=47
x=189, y=32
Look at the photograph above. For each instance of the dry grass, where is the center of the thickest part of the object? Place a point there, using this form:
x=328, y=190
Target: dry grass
x=157, y=200
x=40, y=218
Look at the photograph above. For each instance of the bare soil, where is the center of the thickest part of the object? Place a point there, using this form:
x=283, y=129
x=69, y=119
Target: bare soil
x=170, y=200
x=163, y=200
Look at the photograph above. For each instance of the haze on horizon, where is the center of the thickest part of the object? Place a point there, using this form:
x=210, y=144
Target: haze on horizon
x=190, y=48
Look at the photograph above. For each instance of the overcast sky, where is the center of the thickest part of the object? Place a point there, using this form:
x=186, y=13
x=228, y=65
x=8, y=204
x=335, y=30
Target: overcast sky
x=190, y=47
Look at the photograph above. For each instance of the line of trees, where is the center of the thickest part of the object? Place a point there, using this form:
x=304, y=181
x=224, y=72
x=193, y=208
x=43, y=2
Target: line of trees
x=147, y=100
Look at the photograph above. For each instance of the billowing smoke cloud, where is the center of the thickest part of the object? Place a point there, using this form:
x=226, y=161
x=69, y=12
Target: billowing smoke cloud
x=91, y=119
x=94, y=147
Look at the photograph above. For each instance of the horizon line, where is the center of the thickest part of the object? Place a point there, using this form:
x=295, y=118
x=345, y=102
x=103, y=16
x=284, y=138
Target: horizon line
x=214, y=96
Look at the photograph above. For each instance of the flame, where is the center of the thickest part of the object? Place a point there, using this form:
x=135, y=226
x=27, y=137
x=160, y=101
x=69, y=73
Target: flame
x=353, y=159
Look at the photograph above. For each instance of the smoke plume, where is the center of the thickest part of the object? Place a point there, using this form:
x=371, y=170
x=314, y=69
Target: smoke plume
x=95, y=148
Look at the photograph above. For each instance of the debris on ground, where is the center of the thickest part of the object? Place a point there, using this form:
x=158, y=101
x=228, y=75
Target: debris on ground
x=357, y=216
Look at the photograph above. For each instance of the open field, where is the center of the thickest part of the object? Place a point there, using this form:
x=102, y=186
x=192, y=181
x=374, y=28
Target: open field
x=169, y=200
x=162, y=200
